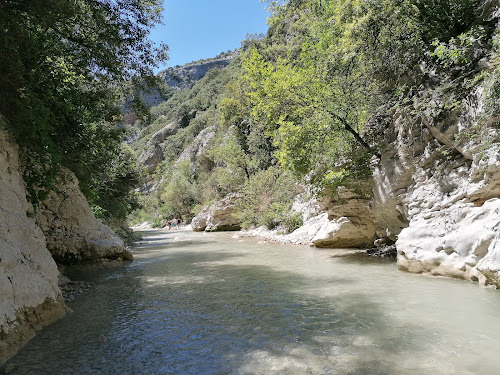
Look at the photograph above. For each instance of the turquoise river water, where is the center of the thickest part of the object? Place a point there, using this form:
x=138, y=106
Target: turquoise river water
x=201, y=303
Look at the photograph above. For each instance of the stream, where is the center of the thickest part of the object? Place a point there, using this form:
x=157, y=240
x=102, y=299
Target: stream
x=218, y=303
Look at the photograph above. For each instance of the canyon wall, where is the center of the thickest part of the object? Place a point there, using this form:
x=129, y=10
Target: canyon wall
x=73, y=235
x=62, y=229
x=29, y=294
x=438, y=191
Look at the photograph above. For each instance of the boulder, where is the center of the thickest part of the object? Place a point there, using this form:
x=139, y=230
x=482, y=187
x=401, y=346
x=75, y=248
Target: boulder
x=29, y=294
x=347, y=224
x=72, y=232
x=351, y=224
x=220, y=216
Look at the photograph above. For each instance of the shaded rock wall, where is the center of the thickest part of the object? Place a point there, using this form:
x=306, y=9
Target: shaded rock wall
x=72, y=232
x=29, y=294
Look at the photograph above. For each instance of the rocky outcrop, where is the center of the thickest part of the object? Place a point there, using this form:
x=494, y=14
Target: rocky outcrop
x=344, y=233
x=346, y=224
x=183, y=77
x=220, y=216
x=72, y=232
x=194, y=151
x=438, y=191
x=152, y=155
x=29, y=293
x=351, y=224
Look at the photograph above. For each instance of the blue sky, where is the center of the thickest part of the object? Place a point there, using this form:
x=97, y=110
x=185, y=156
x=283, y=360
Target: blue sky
x=199, y=29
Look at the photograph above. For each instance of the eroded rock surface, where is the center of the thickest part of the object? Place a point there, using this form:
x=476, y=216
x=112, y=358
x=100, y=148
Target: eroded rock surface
x=220, y=216
x=346, y=224
x=29, y=293
x=73, y=234
x=200, y=144
x=350, y=225
x=152, y=155
x=439, y=193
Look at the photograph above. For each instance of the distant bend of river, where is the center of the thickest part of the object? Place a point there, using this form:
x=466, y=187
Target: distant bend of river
x=213, y=303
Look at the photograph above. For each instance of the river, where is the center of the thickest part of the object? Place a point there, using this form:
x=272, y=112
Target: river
x=216, y=303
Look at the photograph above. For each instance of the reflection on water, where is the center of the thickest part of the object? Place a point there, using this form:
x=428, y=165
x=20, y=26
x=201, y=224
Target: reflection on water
x=197, y=303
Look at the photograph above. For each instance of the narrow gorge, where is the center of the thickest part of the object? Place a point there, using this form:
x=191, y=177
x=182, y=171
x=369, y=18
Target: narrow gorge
x=339, y=129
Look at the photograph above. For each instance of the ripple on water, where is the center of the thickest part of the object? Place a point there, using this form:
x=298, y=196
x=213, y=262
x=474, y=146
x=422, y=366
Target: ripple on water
x=193, y=303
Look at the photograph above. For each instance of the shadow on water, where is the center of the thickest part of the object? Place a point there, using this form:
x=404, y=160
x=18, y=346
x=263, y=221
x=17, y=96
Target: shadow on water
x=360, y=258
x=165, y=245
x=192, y=312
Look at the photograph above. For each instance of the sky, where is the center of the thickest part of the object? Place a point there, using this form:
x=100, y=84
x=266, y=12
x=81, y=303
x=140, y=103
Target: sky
x=199, y=29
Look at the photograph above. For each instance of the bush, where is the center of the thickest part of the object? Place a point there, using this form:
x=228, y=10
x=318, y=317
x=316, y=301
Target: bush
x=292, y=221
x=158, y=222
x=179, y=195
x=266, y=198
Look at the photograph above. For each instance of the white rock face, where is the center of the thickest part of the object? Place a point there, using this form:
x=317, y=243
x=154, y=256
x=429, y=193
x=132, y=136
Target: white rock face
x=152, y=155
x=29, y=294
x=73, y=234
x=346, y=225
x=220, y=216
x=306, y=206
x=350, y=225
x=441, y=197
x=194, y=151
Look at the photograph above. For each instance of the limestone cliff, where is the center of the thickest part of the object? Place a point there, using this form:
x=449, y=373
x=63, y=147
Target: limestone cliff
x=63, y=229
x=72, y=232
x=438, y=191
x=29, y=292
x=183, y=77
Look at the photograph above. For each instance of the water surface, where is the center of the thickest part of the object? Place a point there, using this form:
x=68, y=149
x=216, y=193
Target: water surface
x=199, y=303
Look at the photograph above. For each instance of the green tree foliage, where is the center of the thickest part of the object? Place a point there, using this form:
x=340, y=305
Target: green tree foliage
x=229, y=169
x=178, y=195
x=314, y=120
x=328, y=68
x=311, y=100
x=112, y=187
x=62, y=69
x=267, y=199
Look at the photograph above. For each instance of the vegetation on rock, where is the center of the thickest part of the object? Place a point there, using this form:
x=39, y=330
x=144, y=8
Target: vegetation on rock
x=306, y=104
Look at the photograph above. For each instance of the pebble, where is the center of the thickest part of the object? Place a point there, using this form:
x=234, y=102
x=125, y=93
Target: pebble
x=74, y=288
x=388, y=251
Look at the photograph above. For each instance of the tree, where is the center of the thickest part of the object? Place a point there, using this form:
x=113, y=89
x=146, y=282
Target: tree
x=329, y=68
x=64, y=63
